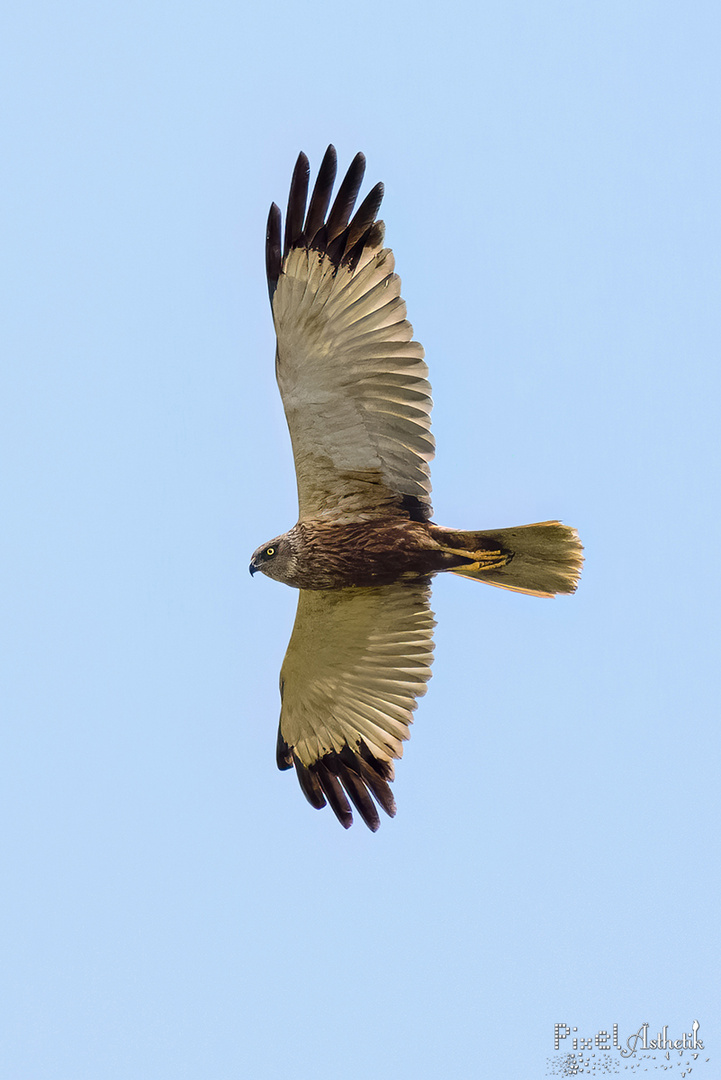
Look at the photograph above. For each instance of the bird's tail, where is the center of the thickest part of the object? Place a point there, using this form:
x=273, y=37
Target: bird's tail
x=541, y=559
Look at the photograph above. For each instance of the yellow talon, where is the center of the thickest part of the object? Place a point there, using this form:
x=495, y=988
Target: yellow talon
x=482, y=560
x=491, y=560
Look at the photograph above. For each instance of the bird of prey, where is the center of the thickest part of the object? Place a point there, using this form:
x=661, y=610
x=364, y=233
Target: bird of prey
x=358, y=403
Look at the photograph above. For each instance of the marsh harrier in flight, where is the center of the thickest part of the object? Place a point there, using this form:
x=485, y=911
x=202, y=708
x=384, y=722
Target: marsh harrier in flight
x=358, y=403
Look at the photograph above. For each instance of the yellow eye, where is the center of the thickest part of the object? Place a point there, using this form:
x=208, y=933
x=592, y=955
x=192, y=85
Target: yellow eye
x=270, y=551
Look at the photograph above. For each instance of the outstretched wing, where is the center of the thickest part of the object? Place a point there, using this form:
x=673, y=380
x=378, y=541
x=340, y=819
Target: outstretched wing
x=356, y=662
x=353, y=382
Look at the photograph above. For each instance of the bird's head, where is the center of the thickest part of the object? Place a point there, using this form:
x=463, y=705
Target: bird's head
x=276, y=559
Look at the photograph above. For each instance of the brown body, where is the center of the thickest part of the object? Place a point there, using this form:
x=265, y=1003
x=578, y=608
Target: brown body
x=365, y=554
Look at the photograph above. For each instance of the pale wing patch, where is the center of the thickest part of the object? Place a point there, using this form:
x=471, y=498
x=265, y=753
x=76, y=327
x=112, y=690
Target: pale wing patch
x=353, y=382
x=356, y=663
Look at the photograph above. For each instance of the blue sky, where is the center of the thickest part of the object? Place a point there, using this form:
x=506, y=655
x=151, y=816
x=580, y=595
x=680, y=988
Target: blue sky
x=172, y=907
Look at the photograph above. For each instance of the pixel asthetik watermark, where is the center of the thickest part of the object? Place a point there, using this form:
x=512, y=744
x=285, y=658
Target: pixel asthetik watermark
x=602, y=1052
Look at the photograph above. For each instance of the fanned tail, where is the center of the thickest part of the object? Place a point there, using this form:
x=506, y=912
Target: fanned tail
x=541, y=559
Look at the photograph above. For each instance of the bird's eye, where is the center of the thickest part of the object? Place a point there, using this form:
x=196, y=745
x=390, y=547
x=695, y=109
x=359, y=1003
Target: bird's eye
x=270, y=551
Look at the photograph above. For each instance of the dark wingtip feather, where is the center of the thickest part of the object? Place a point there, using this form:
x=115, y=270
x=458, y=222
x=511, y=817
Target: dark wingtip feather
x=345, y=199
x=322, y=190
x=359, y=795
x=309, y=784
x=296, y=202
x=333, y=792
x=365, y=215
x=377, y=775
x=273, y=256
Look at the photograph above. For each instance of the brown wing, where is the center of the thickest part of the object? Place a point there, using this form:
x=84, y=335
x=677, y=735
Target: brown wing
x=356, y=662
x=353, y=382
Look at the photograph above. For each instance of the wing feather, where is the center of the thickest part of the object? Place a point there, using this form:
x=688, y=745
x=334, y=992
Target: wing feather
x=334, y=793
x=345, y=199
x=310, y=786
x=357, y=661
x=353, y=381
x=273, y=253
x=296, y=203
x=322, y=190
x=358, y=794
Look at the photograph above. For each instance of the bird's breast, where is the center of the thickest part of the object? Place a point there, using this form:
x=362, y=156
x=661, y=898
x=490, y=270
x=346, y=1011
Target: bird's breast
x=363, y=554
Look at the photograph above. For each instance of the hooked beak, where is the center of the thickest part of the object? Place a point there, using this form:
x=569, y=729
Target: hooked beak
x=253, y=568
